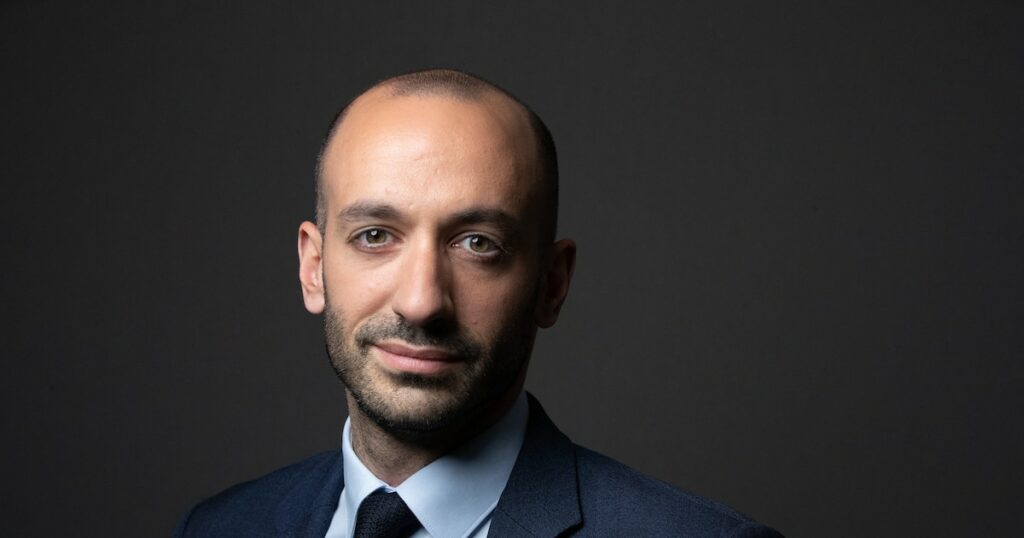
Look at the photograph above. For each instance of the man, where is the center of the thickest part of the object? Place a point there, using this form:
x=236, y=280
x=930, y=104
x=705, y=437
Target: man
x=433, y=261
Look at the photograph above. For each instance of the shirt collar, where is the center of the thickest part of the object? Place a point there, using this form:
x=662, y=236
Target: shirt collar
x=456, y=493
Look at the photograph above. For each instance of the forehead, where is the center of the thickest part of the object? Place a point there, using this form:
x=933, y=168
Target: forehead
x=422, y=149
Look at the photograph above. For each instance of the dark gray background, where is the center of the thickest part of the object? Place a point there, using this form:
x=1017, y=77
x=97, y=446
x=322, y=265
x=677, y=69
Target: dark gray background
x=800, y=248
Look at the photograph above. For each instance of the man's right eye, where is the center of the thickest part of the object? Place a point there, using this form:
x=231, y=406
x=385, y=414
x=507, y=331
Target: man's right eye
x=373, y=238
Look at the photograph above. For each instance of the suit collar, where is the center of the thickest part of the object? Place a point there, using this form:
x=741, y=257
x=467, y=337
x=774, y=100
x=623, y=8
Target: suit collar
x=542, y=495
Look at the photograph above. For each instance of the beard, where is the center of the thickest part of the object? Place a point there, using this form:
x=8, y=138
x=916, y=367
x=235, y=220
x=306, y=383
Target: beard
x=412, y=404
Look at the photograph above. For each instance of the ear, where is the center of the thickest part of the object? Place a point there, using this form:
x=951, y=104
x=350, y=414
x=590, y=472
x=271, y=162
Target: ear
x=555, y=278
x=311, y=268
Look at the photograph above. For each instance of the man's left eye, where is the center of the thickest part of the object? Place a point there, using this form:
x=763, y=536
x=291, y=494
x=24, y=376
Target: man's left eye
x=478, y=244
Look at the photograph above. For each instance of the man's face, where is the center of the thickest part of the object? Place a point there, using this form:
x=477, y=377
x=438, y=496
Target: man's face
x=430, y=256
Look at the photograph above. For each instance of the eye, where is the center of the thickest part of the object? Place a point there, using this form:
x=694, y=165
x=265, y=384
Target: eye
x=373, y=238
x=479, y=245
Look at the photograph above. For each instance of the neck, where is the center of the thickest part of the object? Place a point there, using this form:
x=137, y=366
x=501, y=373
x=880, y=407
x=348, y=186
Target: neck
x=395, y=456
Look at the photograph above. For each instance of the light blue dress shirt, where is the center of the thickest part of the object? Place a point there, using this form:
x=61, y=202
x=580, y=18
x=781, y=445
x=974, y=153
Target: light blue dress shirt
x=453, y=496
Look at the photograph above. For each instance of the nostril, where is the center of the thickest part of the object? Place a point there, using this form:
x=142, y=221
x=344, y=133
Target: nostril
x=425, y=312
x=439, y=325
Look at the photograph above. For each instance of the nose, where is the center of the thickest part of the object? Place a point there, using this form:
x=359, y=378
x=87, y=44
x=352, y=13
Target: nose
x=423, y=295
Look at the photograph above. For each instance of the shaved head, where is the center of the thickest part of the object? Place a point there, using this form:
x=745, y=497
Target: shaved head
x=460, y=86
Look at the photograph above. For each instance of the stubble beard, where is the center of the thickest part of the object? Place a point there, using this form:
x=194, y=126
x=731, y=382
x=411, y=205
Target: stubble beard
x=413, y=405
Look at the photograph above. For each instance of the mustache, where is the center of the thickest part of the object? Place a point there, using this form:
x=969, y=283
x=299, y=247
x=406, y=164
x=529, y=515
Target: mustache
x=450, y=340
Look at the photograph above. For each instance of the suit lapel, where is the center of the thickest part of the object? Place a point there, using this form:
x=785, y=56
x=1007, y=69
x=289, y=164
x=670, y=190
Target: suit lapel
x=307, y=510
x=542, y=497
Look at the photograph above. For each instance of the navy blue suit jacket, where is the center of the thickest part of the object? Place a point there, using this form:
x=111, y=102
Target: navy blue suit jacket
x=556, y=489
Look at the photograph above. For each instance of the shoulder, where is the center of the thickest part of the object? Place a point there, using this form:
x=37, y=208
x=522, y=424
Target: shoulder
x=582, y=493
x=616, y=497
x=253, y=508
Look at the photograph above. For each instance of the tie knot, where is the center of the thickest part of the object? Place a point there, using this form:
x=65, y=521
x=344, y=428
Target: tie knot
x=385, y=515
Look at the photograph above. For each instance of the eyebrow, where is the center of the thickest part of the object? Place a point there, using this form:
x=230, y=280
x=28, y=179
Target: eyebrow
x=505, y=222
x=363, y=210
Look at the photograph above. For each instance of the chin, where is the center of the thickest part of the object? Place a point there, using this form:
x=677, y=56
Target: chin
x=414, y=410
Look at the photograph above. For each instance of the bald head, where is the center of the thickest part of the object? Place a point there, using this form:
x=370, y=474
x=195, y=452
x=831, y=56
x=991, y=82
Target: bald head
x=460, y=87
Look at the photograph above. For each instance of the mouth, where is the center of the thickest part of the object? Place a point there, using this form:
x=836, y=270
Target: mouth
x=402, y=358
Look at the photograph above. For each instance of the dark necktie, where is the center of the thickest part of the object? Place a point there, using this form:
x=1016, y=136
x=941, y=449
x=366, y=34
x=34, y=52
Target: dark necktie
x=384, y=515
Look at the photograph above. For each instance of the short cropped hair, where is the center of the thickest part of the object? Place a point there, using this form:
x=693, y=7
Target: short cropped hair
x=463, y=86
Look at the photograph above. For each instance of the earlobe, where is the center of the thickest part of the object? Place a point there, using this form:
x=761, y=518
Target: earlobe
x=555, y=281
x=311, y=267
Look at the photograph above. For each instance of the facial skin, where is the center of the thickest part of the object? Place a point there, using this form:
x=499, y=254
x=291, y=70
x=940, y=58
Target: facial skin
x=431, y=273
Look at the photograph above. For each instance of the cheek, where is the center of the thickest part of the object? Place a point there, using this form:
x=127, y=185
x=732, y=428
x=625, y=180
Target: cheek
x=487, y=308
x=356, y=290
